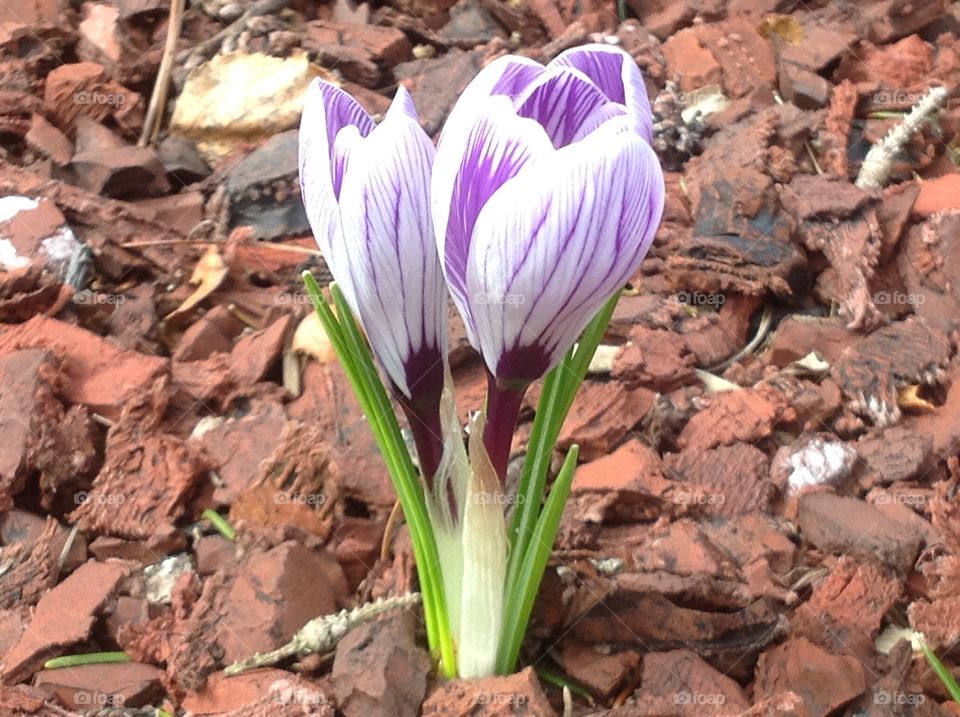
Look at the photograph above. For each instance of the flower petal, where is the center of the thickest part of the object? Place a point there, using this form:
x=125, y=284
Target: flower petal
x=390, y=253
x=508, y=76
x=560, y=100
x=466, y=174
x=617, y=75
x=332, y=124
x=538, y=272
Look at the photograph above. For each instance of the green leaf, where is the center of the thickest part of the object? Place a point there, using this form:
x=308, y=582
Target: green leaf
x=553, y=678
x=357, y=362
x=559, y=390
x=88, y=658
x=221, y=524
x=948, y=680
x=534, y=564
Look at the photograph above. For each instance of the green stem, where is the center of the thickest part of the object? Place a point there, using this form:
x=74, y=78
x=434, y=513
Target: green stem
x=534, y=563
x=559, y=389
x=358, y=365
x=90, y=658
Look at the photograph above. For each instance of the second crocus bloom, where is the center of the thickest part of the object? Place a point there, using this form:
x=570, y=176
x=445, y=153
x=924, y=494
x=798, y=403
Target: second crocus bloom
x=546, y=196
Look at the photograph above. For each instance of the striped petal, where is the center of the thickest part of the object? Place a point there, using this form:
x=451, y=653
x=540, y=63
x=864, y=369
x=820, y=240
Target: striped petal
x=616, y=74
x=506, y=76
x=390, y=254
x=495, y=148
x=561, y=101
x=539, y=270
x=332, y=124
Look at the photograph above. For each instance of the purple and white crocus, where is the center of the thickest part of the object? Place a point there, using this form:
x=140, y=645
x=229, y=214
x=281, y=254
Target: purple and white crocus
x=546, y=196
x=538, y=204
x=543, y=195
x=366, y=190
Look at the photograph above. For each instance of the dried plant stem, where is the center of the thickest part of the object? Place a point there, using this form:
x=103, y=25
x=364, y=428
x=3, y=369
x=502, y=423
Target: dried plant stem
x=158, y=99
x=322, y=634
x=875, y=170
x=392, y=522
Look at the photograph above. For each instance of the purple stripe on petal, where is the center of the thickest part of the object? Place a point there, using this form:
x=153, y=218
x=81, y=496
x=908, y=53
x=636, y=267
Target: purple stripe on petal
x=515, y=77
x=590, y=214
x=617, y=75
x=390, y=251
x=347, y=138
x=599, y=116
x=561, y=100
x=341, y=111
x=526, y=362
x=496, y=148
x=403, y=104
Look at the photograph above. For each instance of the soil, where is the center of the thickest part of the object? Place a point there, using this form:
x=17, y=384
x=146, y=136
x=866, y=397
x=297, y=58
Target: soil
x=769, y=443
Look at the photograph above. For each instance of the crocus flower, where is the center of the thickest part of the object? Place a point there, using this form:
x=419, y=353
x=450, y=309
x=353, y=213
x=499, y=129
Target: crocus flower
x=546, y=196
x=366, y=191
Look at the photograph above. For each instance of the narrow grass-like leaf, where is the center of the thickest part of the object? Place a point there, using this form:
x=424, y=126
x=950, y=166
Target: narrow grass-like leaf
x=948, y=680
x=414, y=507
x=534, y=564
x=221, y=524
x=559, y=390
x=88, y=658
x=562, y=681
x=358, y=365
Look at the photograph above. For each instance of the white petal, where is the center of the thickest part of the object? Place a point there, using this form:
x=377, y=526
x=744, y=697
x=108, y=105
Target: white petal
x=332, y=123
x=497, y=146
x=616, y=73
x=587, y=217
x=385, y=212
x=507, y=76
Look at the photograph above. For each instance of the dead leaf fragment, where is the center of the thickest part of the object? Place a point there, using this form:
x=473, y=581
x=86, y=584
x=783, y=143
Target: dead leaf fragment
x=209, y=274
x=785, y=26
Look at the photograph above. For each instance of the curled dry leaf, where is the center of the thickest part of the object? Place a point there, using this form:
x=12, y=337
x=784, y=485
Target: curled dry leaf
x=208, y=274
x=909, y=398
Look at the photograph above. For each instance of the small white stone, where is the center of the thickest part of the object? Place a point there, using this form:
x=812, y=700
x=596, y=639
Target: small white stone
x=160, y=578
x=9, y=259
x=11, y=206
x=819, y=462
